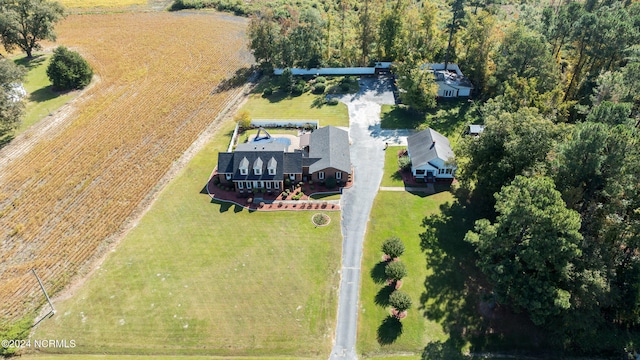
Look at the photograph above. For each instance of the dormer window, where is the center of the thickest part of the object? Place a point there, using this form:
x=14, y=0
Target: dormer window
x=257, y=166
x=272, y=165
x=244, y=166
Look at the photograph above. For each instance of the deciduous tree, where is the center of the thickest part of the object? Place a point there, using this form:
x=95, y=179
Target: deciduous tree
x=24, y=23
x=11, y=105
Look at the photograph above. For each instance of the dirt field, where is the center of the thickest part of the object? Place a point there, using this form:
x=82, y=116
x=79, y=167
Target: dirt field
x=71, y=193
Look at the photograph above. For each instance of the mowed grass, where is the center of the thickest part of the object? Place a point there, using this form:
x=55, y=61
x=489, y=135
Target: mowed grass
x=143, y=357
x=304, y=107
x=196, y=277
x=391, y=175
x=41, y=100
x=396, y=214
x=448, y=118
x=100, y=3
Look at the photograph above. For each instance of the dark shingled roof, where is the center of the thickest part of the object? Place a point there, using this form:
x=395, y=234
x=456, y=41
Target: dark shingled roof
x=225, y=163
x=422, y=148
x=331, y=146
x=285, y=163
x=293, y=163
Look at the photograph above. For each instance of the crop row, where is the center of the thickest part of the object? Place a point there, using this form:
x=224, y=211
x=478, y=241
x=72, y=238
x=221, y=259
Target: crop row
x=64, y=199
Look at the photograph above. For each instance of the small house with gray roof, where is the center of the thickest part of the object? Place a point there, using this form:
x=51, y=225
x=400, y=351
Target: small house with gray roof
x=270, y=165
x=431, y=156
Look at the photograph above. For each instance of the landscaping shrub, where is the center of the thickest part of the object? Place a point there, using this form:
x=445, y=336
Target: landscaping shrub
x=396, y=270
x=400, y=301
x=298, y=88
x=404, y=163
x=321, y=80
x=268, y=91
x=332, y=101
x=393, y=247
x=319, y=88
x=345, y=86
x=68, y=70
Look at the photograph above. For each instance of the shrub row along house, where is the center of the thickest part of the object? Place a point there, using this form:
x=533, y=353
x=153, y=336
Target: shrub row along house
x=270, y=164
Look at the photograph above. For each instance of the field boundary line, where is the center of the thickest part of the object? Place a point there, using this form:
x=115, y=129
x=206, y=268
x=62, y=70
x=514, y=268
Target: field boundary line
x=48, y=127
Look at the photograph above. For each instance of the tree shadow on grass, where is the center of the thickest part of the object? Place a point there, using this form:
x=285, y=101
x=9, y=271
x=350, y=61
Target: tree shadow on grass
x=318, y=102
x=397, y=176
x=401, y=118
x=382, y=297
x=451, y=289
x=35, y=61
x=389, y=331
x=44, y=94
x=377, y=273
x=455, y=288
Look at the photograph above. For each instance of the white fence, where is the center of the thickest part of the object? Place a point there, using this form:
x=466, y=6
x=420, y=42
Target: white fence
x=295, y=123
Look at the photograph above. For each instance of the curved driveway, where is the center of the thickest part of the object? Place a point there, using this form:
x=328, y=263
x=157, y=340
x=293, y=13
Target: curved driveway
x=367, y=157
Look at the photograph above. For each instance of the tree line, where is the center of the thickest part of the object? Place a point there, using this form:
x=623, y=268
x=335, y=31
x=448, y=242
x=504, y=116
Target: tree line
x=549, y=57
x=555, y=174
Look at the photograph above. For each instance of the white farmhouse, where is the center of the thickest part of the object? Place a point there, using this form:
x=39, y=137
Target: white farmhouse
x=431, y=156
x=451, y=82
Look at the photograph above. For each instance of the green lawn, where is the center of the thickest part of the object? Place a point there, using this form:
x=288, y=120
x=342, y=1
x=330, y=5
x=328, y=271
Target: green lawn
x=41, y=99
x=307, y=106
x=200, y=278
x=396, y=214
x=146, y=357
x=391, y=175
x=449, y=118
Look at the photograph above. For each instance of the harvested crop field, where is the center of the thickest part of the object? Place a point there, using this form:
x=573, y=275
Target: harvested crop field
x=70, y=194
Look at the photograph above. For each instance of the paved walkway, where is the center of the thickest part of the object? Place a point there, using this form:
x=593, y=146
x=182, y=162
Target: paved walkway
x=367, y=157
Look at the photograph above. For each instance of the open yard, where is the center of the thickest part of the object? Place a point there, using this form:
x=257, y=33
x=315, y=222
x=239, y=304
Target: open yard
x=196, y=277
x=396, y=214
x=63, y=201
x=307, y=106
x=42, y=99
x=448, y=118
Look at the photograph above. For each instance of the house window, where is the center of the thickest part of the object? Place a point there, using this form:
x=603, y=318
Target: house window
x=420, y=172
x=243, y=171
x=268, y=184
x=449, y=171
x=248, y=184
x=272, y=171
x=440, y=171
x=292, y=176
x=240, y=185
x=339, y=175
x=321, y=175
x=257, y=171
x=227, y=176
x=276, y=185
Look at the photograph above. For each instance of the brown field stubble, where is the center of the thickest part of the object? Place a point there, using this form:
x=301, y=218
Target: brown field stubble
x=62, y=202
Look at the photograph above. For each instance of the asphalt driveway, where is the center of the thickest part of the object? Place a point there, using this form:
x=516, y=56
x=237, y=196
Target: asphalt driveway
x=367, y=157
